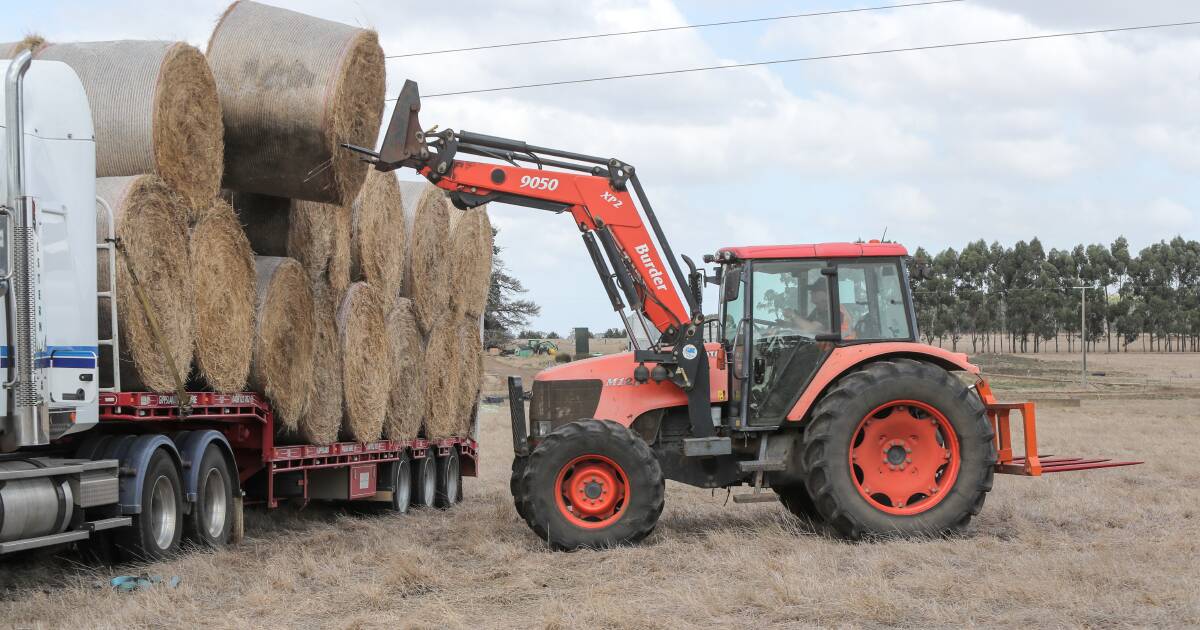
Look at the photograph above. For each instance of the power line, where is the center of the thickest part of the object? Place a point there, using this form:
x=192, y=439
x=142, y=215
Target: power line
x=813, y=58
x=667, y=28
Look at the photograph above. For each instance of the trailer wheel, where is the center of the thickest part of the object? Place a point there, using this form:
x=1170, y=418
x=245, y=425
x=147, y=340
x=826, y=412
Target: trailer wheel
x=155, y=532
x=425, y=481
x=592, y=484
x=402, y=484
x=900, y=447
x=211, y=519
x=449, y=480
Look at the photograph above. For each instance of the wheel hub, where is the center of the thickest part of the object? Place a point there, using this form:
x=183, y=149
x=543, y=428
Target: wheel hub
x=904, y=457
x=593, y=491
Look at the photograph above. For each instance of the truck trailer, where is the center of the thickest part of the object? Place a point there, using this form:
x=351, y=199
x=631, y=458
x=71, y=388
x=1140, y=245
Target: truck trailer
x=84, y=460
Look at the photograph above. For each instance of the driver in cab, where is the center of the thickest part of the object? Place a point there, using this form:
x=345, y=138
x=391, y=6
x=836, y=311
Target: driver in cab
x=817, y=321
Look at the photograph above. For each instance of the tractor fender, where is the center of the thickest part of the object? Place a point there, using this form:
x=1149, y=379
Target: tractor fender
x=191, y=445
x=134, y=453
x=846, y=358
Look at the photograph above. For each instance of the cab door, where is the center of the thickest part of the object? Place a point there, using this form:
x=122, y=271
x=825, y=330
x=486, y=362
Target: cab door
x=789, y=324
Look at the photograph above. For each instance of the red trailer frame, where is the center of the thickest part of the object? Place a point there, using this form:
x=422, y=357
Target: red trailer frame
x=246, y=420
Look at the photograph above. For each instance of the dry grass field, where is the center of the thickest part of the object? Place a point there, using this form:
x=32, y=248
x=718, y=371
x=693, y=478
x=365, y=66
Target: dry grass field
x=1105, y=548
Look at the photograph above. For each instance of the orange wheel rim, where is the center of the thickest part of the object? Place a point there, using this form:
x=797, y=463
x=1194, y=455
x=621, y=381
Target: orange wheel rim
x=592, y=491
x=904, y=457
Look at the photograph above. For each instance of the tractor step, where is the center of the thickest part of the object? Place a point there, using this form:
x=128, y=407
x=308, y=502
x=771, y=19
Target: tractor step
x=761, y=465
x=756, y=497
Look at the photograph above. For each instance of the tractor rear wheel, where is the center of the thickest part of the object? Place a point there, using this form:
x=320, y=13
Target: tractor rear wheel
x=592, y=484
x=900, y=447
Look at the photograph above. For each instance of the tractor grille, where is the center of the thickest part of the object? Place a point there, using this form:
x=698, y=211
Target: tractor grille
x=560, y=402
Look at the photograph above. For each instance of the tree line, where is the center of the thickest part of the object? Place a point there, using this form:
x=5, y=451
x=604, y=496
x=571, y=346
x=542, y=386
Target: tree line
x=1023, y=298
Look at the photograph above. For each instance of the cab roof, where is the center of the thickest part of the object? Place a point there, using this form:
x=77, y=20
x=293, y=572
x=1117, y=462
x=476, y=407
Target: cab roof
x=817, y=250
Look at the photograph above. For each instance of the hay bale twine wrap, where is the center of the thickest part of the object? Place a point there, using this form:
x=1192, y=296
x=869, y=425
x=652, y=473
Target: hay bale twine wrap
x=470, y=261
x=362, y=330
x=293, y=88
x=442, y=381
x=470, y=362
x=406, y=402
x=377, y=236
x=322, y=419
x=427, y=226
x=224, y=279
x=281, y=367
x=150, y=226
x=155, y=110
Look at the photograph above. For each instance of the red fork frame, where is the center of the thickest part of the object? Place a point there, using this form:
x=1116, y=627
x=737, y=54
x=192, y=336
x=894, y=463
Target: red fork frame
x=999, y=414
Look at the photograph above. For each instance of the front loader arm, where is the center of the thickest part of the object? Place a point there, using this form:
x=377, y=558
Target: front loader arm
x=597, y=207
x=599, y=193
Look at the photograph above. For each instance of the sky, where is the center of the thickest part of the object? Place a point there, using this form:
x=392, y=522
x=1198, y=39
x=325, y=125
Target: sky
x=1071, y=140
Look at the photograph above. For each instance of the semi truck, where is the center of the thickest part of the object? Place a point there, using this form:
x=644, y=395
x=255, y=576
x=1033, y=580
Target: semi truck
x=85, y=460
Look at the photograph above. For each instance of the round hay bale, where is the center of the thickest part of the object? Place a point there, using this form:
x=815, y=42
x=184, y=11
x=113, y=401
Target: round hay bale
x=427, y=226
x=377, y=236
x=470, y=261
x=442, y=381
x=281, y=367
x=323, y=417
x=338, y=272
x=155, y=110
x=223, y=278
x=470, y=361
x=293, y=88
x=362, y=330
x=150, y=226
x=406, y=402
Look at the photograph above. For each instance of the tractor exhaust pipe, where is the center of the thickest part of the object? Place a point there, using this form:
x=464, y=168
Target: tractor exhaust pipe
x=28, y=423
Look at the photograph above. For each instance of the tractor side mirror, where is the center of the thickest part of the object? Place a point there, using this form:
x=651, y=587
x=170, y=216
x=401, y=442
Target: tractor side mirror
x=731, y=285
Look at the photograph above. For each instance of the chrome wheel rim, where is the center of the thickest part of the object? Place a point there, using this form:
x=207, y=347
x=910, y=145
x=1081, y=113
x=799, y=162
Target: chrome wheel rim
x=451, y=481
x=163, y=512
x=402, y=489
x=214, y=513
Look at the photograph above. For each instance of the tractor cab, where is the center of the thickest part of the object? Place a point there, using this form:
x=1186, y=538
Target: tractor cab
x=785, y=308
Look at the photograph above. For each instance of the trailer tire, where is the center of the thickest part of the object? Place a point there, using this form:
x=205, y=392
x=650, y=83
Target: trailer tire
x=899, y=447
x=157, y=529
x=402, y=484
x=211, y=520
x=449, y=480
x=425, y=481
x=592, y=484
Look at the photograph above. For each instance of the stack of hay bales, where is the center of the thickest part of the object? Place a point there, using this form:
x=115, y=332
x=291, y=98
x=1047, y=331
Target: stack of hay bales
x=350, y=301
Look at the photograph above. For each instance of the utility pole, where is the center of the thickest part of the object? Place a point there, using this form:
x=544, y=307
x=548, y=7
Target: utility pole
x=1083, y=328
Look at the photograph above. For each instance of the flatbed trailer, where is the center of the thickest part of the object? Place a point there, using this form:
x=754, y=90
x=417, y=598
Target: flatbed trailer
x=101, y=481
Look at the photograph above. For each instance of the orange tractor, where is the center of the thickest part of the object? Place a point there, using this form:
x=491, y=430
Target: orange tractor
x=816, y=393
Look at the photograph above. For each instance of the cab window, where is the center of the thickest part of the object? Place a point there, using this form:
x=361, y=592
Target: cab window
x=872, y=300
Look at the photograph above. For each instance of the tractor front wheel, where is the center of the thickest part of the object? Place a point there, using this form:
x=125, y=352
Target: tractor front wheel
x=591, y=484
x=899, y=447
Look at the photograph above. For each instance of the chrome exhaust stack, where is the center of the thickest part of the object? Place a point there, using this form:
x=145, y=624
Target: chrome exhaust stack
x=28, y=420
